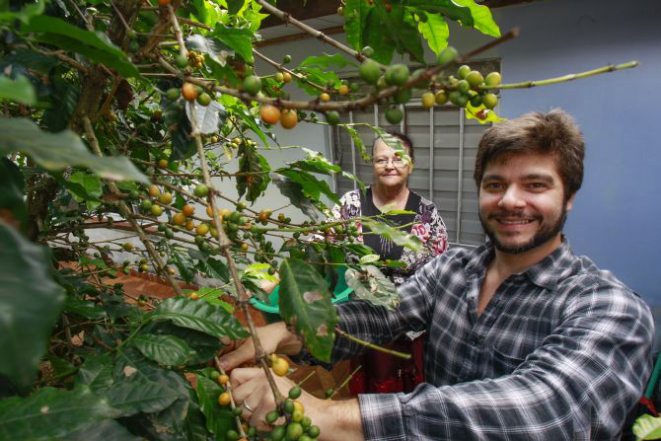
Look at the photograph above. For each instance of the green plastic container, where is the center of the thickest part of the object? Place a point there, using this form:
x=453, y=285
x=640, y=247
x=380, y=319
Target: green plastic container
x=272, y=310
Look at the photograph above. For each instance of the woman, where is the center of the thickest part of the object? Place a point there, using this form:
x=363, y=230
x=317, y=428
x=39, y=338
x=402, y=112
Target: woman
x=381, y=372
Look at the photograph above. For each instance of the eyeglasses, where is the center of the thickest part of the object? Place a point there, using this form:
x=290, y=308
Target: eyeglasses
x=397, y=162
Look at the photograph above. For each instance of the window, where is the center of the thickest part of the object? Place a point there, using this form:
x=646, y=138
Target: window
x=437, y=175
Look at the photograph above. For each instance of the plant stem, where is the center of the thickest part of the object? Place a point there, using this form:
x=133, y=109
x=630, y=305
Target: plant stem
x=344, y=383
x=280, y=67
x=287, y=18
x=177, y=31
x=372, y=345
x=564, y=78
x=228, y=386
x=58, y=376
x=225, y=244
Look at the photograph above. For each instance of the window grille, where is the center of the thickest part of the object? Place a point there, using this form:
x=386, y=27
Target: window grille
x=443, y=138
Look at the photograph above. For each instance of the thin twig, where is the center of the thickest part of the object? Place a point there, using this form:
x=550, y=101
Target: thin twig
x=228, y=386
x=344, y=383
x=280, y=67
x=121, y=17
x=287, y=18
x=225, y=245
x=564, y=78
x=372, y=345
x=177, y=31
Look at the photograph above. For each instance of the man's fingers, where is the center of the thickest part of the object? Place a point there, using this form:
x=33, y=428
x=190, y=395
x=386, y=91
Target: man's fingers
x=240, y=355
x=239, y=377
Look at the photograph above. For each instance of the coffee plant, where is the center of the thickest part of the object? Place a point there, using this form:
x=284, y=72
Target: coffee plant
x=127, y=115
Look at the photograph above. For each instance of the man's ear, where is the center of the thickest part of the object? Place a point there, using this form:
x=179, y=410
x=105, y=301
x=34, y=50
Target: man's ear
x=570, y=202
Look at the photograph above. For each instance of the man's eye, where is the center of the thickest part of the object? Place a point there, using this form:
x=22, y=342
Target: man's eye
x=537, y=185
x=492, y=185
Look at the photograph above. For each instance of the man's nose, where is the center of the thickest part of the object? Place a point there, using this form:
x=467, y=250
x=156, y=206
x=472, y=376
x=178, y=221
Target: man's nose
x=512, y=198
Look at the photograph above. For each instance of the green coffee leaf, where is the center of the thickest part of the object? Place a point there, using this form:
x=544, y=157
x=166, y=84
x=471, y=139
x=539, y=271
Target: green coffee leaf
x=51, y=414
x=19, y=90
x=305, y=304
x=372, y=285
x=647, y=427
x=435, y=30
x=56, y=151
x=397, y=236
x=200, y=316
x=25, y=305
x=164, y=349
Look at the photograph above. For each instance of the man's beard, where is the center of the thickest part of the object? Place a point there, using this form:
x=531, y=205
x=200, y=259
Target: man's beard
x=542, y=236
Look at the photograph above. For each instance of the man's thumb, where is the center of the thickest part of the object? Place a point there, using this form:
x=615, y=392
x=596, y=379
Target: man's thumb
x=235, y=358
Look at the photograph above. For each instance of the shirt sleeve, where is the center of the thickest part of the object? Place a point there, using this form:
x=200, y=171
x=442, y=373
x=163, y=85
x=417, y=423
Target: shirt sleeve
x=579, y=384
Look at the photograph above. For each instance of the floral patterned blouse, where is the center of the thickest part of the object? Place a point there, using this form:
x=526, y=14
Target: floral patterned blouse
x=427, y=226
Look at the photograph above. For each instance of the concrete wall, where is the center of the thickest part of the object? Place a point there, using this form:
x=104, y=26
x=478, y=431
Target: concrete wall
x=616, y=215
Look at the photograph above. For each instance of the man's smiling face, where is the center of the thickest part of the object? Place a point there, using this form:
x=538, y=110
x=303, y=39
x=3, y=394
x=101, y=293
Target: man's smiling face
x=522, y=202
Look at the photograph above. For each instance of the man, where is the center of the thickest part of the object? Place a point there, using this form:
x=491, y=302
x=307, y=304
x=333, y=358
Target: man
x=526, y=339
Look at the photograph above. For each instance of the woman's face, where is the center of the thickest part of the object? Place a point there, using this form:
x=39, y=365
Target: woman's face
x=390, y=169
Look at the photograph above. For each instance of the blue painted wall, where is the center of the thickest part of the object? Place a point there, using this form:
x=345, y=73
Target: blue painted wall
x=617, y=215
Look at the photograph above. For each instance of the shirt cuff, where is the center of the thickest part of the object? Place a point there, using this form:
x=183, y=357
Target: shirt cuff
x=382, y=417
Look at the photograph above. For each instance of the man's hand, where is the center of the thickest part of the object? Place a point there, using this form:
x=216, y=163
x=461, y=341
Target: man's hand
x=338, y=420
x=274, y=337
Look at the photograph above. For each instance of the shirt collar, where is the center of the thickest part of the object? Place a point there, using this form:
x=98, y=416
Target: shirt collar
x=545, y=273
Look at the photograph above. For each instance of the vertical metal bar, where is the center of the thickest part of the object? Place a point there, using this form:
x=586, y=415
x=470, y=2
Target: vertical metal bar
x=432, y=130
x=460, y=174
x=353, y=153
x=402, y=126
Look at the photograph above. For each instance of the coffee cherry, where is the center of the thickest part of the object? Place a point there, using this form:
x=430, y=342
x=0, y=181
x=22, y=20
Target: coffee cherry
x=474, y=78
x=397, y=74
x=447, y=55
x=288, y=119
x=441, y=97
x=427, y=100
x=295, y=392
x=188, y=210
x=332, y=118
x=201, y=191
x=189, y=90
x=179, y=219
x=252, y=84
x=270, y=114
x=394, y=115
x=369, y=71
x=493, y=79
x=490, y=100
x=463, y=71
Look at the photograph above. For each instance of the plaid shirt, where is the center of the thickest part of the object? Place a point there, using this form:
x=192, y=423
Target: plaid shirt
x=561, y=352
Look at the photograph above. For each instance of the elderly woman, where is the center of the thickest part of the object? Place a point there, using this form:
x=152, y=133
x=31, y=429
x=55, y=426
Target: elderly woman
x=381, y=372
